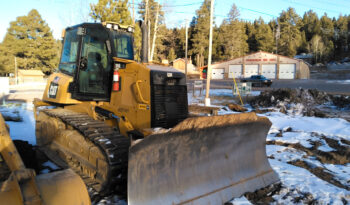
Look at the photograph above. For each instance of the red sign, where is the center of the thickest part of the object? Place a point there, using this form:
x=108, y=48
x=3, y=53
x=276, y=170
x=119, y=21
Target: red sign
x=259, y=60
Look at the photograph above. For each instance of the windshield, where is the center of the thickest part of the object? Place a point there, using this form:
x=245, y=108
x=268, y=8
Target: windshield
x=69, y=52
x=123, y=44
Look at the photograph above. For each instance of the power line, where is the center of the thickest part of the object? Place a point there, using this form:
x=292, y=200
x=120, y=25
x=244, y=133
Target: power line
x=260, y=12
x=308, y=6
x=179, y=5
x=332, y=3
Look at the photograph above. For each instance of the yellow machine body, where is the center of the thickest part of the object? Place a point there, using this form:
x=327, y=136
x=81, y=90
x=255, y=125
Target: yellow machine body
x=23, y=187
x=132, y=103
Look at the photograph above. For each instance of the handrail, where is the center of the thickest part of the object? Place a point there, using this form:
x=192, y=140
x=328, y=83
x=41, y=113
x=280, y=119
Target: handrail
x=139, y=92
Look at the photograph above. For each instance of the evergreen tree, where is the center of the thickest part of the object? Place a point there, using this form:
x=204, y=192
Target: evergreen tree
x=161, y=49
x=200, y=33
x=111, y=10
x=179, y=36
x=290, y=39
x=30, y=40
x=264, y=36
x=311, y=25
x=137, y=42
x=232, y=32
x=250, y=32
x=327, y=34
x=304, y=45
x=341, y=37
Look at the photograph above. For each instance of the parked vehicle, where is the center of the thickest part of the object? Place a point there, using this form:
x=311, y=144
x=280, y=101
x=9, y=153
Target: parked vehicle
x=258, y=81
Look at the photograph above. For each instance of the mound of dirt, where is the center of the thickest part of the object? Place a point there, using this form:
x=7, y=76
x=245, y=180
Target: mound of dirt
x=300, y=101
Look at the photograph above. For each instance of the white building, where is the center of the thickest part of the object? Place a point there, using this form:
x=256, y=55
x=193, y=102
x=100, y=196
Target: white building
x=261, y=63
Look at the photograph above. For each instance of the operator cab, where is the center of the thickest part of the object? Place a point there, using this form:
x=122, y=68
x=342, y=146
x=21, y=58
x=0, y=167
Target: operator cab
x=87, y=56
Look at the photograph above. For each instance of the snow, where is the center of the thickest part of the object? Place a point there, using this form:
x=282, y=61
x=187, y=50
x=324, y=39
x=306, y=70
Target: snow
x=51, y=165
x=298, y=178
x=325, y=148
x=339, y=81
x=29, y=86
x=240, y=201
x=24, y=130
x=327, y=126
x=293, y=137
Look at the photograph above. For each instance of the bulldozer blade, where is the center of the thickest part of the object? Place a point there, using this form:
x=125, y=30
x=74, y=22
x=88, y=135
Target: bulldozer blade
x=202, y=160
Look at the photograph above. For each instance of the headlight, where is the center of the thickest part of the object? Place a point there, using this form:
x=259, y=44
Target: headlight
x=115, y=27
x=109, y=25
x=130, y=29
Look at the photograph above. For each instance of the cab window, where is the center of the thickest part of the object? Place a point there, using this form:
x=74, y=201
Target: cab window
x=123, y=45
x=69, y=52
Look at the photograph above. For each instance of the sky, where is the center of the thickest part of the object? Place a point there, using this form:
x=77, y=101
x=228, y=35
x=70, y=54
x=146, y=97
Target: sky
x=62, y=13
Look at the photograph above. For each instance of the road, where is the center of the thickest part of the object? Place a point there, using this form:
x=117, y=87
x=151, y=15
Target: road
x=329, y=86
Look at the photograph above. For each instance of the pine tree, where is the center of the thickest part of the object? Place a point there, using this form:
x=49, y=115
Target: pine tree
x=30, y=40
x=111, y=10
x=200, y=33
x=179, y=36
x=311, y=25
x=304, y=45
x=234, y=38
x=341, y=37
x=290, y=39
x=327, y=33
x=264, y=36
x=137, y=42
x=250, y=32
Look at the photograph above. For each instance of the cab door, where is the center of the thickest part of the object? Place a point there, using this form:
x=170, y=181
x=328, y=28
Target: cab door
x=93, y=78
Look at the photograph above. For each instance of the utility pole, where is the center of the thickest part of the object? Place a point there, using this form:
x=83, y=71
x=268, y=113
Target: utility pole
x=278, y=34
x=207, y=99
x=186, y=58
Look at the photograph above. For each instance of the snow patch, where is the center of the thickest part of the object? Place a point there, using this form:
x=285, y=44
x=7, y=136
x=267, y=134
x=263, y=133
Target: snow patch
x=327, y=126
x=51, y=165
x=24, y=130
x=240, y=201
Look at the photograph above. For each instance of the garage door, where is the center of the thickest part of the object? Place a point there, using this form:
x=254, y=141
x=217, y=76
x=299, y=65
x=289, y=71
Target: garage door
x=217, y=73
x=235, y=70
x=269, y=70
x=251, y=70
x=287, y=71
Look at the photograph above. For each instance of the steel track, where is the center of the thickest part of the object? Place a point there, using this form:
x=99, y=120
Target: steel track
x=110, y=142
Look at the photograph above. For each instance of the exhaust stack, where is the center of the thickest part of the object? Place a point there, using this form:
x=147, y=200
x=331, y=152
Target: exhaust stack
x=144, y=48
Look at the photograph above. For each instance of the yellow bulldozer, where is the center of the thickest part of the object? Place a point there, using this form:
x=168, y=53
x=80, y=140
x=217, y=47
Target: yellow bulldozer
x=100, y=116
